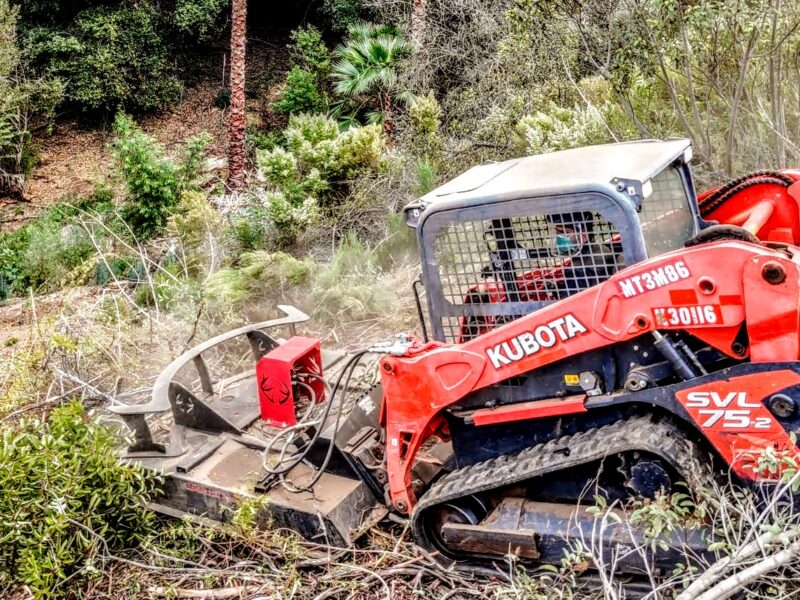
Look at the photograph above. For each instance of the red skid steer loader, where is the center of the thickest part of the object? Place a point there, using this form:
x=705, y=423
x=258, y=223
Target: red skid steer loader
x=588, y=322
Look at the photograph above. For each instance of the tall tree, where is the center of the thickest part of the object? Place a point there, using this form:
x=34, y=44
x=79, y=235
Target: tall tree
x=236, y=154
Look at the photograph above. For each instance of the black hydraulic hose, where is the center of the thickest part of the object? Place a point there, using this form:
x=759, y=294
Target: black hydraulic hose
x=298, y=459
x=351, y=365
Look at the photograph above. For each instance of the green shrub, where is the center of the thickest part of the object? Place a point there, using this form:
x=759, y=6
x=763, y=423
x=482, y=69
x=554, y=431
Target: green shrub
x=310, y=53
x=343, y=14
x=425, y=172
x=62, y=490
x=300, y=94
x=345, y=288
x=258, y=139
x=13, y=277
x=289, y=219
x=130, y=268
x=249, y=228
x=311, y=171
x=307, y=83
x=199, y=20
x=559, y=128
x=54, y=250
x=22, y=100
x=425, y=119
x=109, y=58
x=258, y=273
x=222, y=99
x=154, y=182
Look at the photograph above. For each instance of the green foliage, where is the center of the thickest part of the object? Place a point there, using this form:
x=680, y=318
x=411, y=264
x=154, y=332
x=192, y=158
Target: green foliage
x=154, y=182
x=13, y=276
x=365, y=72
x=62, y=491
x=199, y=19
x=425, y=171
x=306, y=87
x=248, y=228
x=309, y=52
x=289, y=218
x=54, y=250
x=21, y=100
x=222, y=99
x=116, y=268
x=47, y=251
x=345, y=288
x=560, y=128
x=258, y=274
x=300, y=94
x=316, y=160
x=109, y=58
x=343, y=14
x=424, y=117
x=258, y=139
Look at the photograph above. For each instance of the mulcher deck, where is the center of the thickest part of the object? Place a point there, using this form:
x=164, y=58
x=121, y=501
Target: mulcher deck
x=217, y=469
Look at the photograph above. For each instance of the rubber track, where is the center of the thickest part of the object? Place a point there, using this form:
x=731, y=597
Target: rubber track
x=663, y=439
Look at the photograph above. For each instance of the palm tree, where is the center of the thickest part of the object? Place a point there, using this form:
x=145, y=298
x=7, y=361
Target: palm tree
x=236, y=154
x=366, y=71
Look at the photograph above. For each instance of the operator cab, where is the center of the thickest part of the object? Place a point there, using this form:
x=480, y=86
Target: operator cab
x=504, y=239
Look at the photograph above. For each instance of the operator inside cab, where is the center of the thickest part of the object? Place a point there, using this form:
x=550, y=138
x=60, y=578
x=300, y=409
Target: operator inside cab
x=586, y=261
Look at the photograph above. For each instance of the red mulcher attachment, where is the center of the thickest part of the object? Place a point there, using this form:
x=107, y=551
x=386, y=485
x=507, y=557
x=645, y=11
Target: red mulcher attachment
x=765, y=203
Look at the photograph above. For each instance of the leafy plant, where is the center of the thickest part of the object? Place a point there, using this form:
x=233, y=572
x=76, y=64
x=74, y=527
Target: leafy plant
x=303, y=175
x=365, y=73
x=309, y=52
x=306, y=87
x=54, y=249
x=109, y=57
x=424, y=137
x=258, y=272
x=300, y=94
x=560, y=128
x=199, y=19
x=154, y=182
x=21, y=100
x=64, y=497
x=343, y=14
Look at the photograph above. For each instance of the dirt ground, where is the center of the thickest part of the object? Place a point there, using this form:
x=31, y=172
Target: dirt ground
x=75, y=157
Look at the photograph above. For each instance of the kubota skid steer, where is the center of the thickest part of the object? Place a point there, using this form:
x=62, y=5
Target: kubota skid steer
x=587, y=327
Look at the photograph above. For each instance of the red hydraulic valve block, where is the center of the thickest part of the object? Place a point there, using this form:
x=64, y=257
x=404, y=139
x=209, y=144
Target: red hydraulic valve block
x=278, y=373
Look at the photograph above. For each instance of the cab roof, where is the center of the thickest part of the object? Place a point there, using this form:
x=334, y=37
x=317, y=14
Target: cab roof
x=592, y=168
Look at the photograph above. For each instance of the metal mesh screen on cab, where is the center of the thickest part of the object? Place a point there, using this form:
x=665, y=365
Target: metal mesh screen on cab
x=519, y=259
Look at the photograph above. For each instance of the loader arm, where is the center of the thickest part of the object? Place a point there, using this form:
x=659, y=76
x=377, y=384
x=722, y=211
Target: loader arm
x=755, y=288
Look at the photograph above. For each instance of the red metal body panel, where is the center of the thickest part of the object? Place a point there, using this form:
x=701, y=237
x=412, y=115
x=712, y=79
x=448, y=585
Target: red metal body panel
x=732, y=416
x=275, y=372
x=768, y=210
x=432, y=377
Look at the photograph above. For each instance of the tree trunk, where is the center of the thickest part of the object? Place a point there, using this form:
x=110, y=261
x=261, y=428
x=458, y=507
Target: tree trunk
x=236, y=155
x=388, y=115
x=419, y=17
